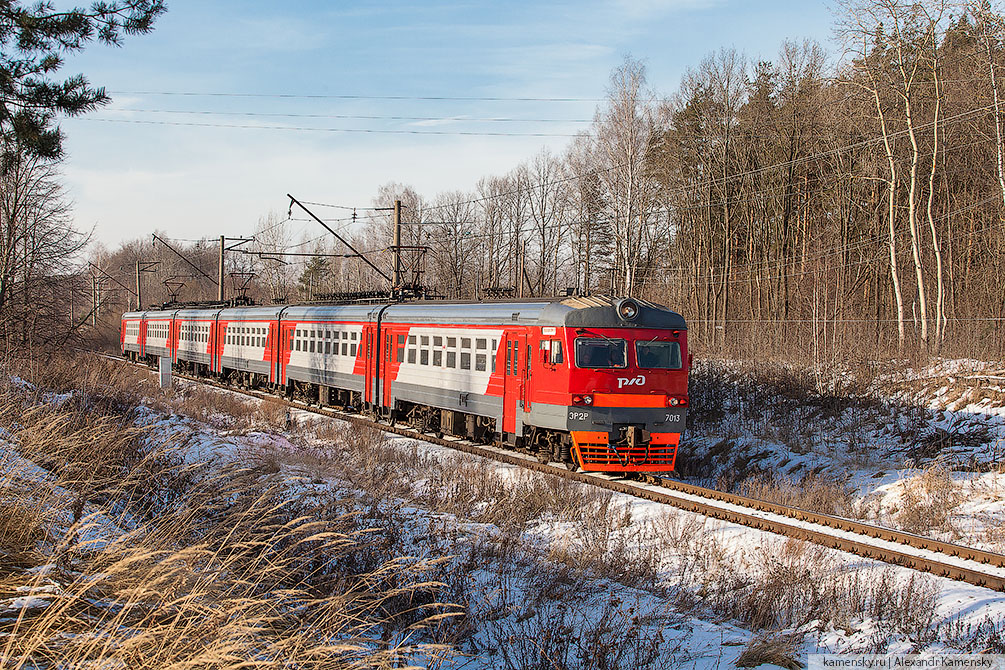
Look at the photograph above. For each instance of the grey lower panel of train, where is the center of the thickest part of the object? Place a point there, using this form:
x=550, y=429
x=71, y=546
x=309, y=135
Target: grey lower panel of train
x=469, y=403
x=325, y=378
x=243, y=364
x=193, y=357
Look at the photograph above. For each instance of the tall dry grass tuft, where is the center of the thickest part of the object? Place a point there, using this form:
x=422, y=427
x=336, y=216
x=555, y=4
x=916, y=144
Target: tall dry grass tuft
x=928, y=501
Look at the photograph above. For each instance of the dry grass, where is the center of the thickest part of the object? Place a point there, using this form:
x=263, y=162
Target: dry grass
x=133, y=557
x=928, y=501
x=812, y=492
x=780, y=650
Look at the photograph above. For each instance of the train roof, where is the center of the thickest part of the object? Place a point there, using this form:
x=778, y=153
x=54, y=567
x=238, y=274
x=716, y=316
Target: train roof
x=574, y=312
x=593, y=311
x=351, y=312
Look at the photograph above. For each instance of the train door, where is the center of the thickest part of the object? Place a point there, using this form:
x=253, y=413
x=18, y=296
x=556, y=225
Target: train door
x=370, y=361
x=514, y=383
x=387, y=352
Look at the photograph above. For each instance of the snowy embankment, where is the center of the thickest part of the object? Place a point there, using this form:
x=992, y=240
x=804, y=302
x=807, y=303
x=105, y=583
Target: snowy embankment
x=540, y=569
x=916, y=449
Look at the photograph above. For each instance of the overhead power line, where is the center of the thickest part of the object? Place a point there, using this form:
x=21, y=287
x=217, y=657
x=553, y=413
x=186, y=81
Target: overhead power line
x=299, y=96
x=367, y=131
x=362, y=117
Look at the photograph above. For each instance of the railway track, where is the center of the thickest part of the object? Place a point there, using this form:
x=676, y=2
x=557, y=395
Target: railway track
x=943, y=559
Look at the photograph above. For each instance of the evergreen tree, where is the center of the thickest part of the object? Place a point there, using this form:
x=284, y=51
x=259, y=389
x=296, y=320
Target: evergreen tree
x=34, y=38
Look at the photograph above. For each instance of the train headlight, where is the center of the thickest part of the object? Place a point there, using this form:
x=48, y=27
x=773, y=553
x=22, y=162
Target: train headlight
x=674, y=401
x=628, y=309
x=582, y=400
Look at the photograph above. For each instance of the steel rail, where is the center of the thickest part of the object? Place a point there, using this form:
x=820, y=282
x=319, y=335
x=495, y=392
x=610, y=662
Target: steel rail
x=684, y=500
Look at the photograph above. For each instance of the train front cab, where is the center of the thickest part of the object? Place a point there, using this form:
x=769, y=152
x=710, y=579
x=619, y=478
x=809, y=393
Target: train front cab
x=628, y=399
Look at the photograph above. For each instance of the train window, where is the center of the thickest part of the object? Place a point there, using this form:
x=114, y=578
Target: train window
x=401, y=349
x=352, y=351
x=345, y=348
x=438, y=358
x=437, y=341
x=556, y=352
x=509, y=358
x=465, y=360
x=312, y=346
x=516, y=357
x=424, y=357
x=411, y=353
x=465, y=343
x=480, y=361
x=354, y=336
x=411, y=339
x=401, y=340
x=660, y=355
x=451, y=341
x=425, y=340
x=599, y=353
x=481, y=343
x=451, y=359
x=328, y=347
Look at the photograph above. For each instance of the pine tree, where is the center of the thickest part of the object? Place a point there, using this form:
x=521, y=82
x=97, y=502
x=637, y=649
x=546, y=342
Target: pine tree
x=33, y=41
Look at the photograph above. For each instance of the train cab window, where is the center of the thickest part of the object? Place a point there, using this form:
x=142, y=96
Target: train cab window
x=658, y=355
x=600, y=353
x=451, y=359
x=556, y=352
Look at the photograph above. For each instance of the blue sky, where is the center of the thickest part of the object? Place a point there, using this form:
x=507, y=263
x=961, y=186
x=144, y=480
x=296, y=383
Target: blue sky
x=127, y=179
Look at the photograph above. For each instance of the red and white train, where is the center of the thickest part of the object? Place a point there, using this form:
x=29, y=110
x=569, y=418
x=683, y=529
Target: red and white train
x=598, y=383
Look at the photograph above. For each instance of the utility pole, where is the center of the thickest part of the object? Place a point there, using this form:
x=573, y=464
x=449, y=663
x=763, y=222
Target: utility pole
x=139, y=290
x=219, y=295
x=396, y=284
x=94, y=300
x=521, y=250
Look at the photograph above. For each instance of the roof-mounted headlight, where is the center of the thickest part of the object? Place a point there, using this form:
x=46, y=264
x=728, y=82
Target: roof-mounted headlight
x=628, y=309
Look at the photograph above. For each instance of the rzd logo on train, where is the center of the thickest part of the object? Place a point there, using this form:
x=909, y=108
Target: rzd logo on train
x=631, y=381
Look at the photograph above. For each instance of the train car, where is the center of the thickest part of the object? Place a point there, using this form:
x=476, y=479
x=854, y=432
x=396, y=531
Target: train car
x=246, y=345
x=131, y=335
x=598, y=383
x=160, y=334
x=196, y=330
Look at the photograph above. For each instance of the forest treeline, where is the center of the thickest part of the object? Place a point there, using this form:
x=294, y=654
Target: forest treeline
x=826, y=204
